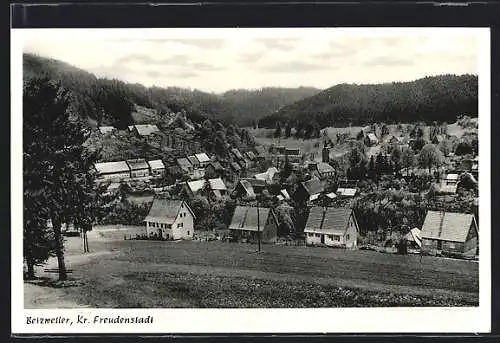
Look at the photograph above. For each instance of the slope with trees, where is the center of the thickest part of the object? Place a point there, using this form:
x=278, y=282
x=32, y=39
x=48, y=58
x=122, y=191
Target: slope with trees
x=438, y=98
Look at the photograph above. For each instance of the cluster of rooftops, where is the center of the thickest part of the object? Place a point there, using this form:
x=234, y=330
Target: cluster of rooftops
x=128, y=166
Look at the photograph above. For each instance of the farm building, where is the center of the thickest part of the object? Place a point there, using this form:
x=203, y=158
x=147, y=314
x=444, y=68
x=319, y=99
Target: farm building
x=113, y=170
x=346, y=192
x=170, y=220
x=185, y=165
x=371, y=139
x=451, y=179
x=292, y=152
x=237, y=154
x=194, y=161
x=451, y=234
x=414, y=239
x=325, y=170
x=267, y=176
x=194, y=187
x=235, y=167
x=243, y=190
x=138, y=167
x=334, y=227
x=203, y=159
x=309, y=190
x=217, y=188
x=156, y=167
x=106, y=129
x=248, y=221
x=214, y=169
x=250, y=155
x=144, y=129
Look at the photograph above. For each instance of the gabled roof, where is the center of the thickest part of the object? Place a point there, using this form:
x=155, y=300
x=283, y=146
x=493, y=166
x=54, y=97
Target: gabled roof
x=245, y=218
x=439, y=138
x=247, y=186
x=285, y=194
x=235, y=166
x=106, y=129
x=452, y=177
x=346, y=192
x=324, y=168
x=146, y=129
x=237, y=153
x=256, y=182
x=193, y=160
x=137, y=164
x=217, y=184
x=372, y=137
x=202, y=157
x=328, y=220
x=184, y=163
x=112, y=167
x=195, y=186
x=447, y=226
x=267, y=175
x=294, y=151
x=313, y=186
x=165, y=210
x=216, y=165
x=250, y=155
x=156, y=164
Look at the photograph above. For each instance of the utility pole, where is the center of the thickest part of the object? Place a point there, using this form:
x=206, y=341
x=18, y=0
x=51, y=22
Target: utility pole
x=258, y=224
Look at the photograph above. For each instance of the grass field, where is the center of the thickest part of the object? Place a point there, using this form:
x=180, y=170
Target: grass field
x=119, y=273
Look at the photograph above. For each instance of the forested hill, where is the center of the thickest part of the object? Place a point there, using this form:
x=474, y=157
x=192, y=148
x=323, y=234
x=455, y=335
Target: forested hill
x=438, y=98
x=251, y=105
x=112, y=101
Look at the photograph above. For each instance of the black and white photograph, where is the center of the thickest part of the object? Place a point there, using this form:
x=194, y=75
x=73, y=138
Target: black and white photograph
x=264, y=168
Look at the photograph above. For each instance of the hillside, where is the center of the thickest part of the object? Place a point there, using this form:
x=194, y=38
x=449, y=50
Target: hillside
x=251, y=105
x=106, y=101
x=438, y=98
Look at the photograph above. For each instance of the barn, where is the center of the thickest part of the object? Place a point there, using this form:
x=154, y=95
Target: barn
x=450, y=234
x=248, y=221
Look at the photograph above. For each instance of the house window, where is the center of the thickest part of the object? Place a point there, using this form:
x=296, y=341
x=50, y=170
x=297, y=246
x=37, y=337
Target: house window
x=347, y=236
x=180, y=225
x=188, y=233
x=330, y=236
x=336, y=238
x=318, y=235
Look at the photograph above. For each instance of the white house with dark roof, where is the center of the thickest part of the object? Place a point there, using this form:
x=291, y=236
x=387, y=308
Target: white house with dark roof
x=114, y=171
x=247, y=221
x=194, y=187
x=170, y=220
x=333, y=227
x=449, y=233
x=138, y=167
x=156, y=167
x=203, y=159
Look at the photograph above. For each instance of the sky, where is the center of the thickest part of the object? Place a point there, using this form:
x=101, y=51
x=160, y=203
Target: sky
x=216, y=60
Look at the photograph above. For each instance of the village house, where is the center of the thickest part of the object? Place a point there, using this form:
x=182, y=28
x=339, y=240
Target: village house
x=248, y=222
x=235, y=167
x=333, y=227
x=283, y=195
x=237, y=154
x=156, y=167
x=185, y=165
x=346, y=192
x=214, y=169
x=292, y=152
x=193, y=188
x=321, y=170
x=371, y=139
x=194, y=161
x=309, y=190
x=395, y=140
x=114, y=171
x=260, y=152
x=268, y=175
x=138, y=167
x=106, y=129
x=250, y=155
x=218, y=189
x=170, y=220
x=450, y=234
x=244, y=191
x=144, y=129
x=438, y=139
x=203, y=159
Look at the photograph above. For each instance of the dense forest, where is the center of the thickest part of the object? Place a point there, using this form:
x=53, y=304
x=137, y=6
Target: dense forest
x=112, y=101
x=438, y=98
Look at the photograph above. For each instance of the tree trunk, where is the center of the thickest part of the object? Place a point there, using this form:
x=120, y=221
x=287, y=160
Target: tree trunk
x=59, y=250
x=31, y=269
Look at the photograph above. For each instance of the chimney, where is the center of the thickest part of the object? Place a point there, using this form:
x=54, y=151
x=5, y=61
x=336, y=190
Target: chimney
x=325, y=155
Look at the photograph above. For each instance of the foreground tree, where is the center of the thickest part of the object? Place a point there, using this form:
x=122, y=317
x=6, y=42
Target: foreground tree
x=57, y=167
x=429, y=157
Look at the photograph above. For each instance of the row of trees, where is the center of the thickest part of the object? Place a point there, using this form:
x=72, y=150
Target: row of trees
x=57, y=172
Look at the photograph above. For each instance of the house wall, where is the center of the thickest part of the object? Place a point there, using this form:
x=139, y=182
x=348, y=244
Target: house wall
x=313, y=238
x=429, y=246
x=139, y=173
x=115, y=176
x=351, y=235
x=157, y=228
x=157, y=172
x=183, y=226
